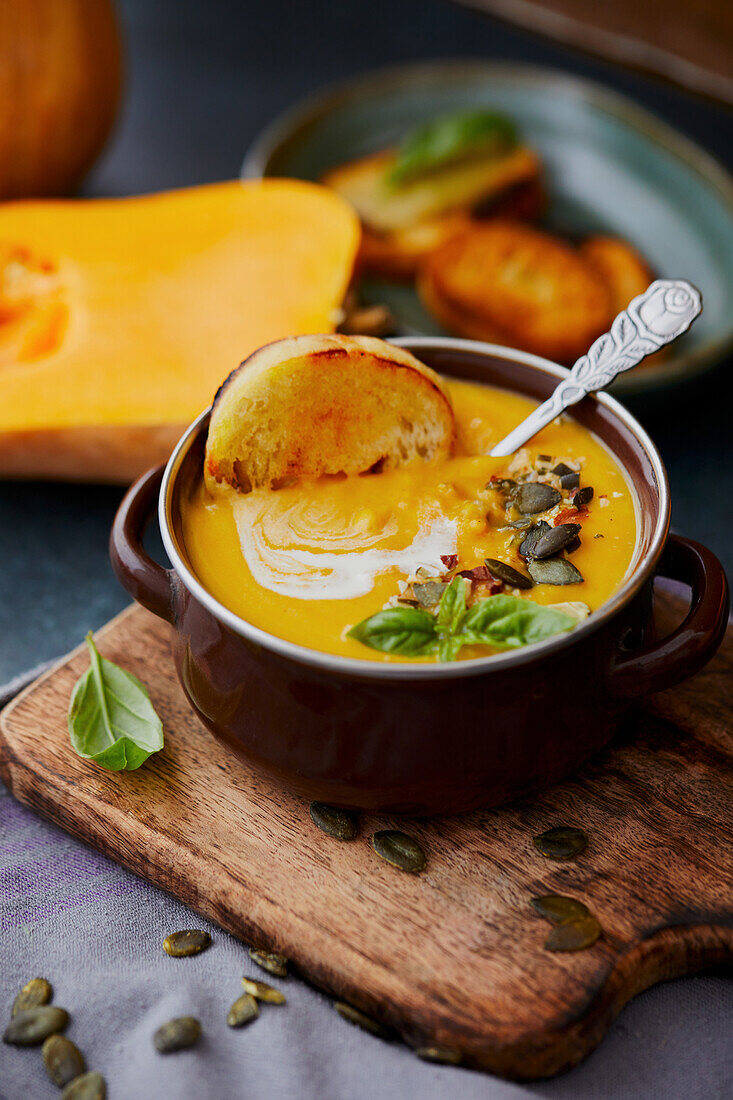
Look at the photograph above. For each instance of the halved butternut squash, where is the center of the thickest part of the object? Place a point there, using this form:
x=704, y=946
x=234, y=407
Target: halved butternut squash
x=119, y=318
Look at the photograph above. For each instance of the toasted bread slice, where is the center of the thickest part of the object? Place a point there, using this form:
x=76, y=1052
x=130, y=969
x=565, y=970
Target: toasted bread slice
x=397, y=255
x=314, y=405
x=624, y=272
x=385, y=208
x=512, y=284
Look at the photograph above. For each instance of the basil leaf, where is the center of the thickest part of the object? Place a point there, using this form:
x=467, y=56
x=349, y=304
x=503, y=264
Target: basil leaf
x=508, y=622
x=111, y=719
x=451, y=138
x=452, y=606
x=405, y=630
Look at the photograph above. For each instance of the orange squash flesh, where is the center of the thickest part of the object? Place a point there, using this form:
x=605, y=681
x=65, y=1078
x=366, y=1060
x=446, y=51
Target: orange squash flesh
x=119, y=318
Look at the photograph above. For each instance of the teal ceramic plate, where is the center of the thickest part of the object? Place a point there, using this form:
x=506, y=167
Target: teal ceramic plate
x=611, y=167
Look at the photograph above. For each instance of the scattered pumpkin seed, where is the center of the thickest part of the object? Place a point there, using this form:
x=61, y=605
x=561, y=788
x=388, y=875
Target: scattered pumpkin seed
x=270, y=961
x=562, y=469
x=400, y=850
x=261, y=991
x=244, y=1010
x=354, y=1016
x=189, y=942
x=561, y=842
x=557, y=908
x=90, y=1086
x=339, y=824
x=555, y=540
x=582, y=497
x=544, y=458
x=505, y=573
x=63, y=1059
x=32, y=1026
x=178, y=1034
x=35, y=992
x=533, y=536
x=535, y=496
x=573, y=935
x=520, y=524
x=441, y=1055
x=570, y=481
x=554, y=571
x=429, y=593
x=572, y=546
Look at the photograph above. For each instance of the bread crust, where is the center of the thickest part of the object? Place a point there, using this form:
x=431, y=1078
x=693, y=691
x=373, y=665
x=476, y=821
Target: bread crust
x=512, y=284
x=314, y=405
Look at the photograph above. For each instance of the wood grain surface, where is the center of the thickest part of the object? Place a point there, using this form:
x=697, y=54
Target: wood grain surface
x=452, y=957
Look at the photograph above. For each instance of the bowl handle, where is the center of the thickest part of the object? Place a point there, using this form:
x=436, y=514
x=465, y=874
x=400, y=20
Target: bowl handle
x=683, y=652
x=146, y=581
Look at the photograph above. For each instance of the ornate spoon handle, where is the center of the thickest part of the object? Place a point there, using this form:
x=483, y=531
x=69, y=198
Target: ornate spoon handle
x=662, y=313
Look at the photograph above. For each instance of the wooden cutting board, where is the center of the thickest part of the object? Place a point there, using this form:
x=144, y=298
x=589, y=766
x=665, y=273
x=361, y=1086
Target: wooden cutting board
x=453, y=957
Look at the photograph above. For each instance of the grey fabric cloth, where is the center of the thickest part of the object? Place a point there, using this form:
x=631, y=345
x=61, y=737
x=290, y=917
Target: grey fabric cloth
x=96, y=931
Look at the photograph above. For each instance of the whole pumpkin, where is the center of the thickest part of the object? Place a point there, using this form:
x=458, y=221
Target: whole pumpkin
x=60, y=67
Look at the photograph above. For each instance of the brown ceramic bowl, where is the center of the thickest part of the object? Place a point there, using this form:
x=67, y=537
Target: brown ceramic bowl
x=429, y=738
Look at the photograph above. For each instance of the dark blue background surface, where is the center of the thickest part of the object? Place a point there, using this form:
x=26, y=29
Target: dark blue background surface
x=203, y=78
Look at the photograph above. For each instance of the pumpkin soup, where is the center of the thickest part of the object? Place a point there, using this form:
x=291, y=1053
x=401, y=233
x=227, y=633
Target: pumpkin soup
x=456, y=557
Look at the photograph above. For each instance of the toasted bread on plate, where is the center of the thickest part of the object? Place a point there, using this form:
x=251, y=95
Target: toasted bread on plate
x=314, y=405
x=512, y=284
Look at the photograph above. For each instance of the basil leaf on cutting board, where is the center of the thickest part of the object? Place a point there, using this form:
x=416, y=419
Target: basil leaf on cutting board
x=111, y=719
x=451, y=138
x=405, y=630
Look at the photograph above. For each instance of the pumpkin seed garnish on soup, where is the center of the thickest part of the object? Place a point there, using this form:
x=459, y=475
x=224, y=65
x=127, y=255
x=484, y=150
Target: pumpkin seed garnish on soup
x=189, y=942
x=554, y=571
x=35, y=992
x=366, y=1023
x=400, y=850
x=178, y=1034
x=507, y=574
x=270, y=961
x=561, y=842
x=339, y=824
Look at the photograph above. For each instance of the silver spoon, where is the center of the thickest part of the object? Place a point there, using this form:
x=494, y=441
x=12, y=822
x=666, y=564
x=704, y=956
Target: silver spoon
x=662, y=313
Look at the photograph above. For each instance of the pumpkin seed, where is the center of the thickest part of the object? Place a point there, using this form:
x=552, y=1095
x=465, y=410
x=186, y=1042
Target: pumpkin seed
x=428, y=594
x=353, y=1016
x=520, y=524
x=572, y=546
x=544, y=459
x=573, y=935
x=533, y=536
x=505, y=573
x=441, y=1055
x=556, y=908
x=261, y=991
x=535, y=496
x=562, y=469
x=32, y=1026
x=90, y=1086
x=555, y=540
x=562, y=842
x=582, y=497
x=570, y=481
x=339, y=824
x=63, y=1059
x=400, y=850
x=554, y=571
x=35, y=992
x=178, y=1034
x=244, y=1010
x=270, y=961
x=189, y=942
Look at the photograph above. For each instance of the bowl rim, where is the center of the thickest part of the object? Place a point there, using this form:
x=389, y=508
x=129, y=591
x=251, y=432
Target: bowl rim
x=305, y=112
x=404, y=670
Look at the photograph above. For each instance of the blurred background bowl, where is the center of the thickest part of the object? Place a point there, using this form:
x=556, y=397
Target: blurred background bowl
x=611, y=167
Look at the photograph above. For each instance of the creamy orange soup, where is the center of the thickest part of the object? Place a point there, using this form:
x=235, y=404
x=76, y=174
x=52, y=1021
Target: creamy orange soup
x=308, y=561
